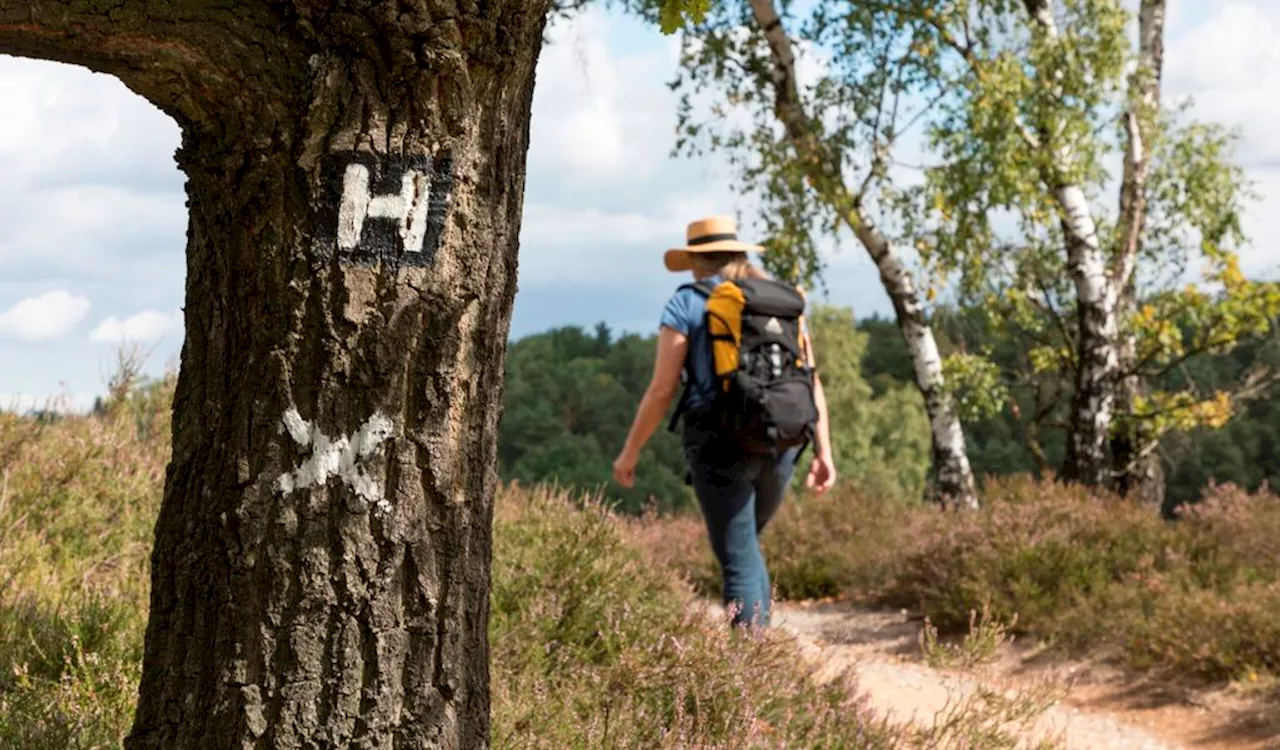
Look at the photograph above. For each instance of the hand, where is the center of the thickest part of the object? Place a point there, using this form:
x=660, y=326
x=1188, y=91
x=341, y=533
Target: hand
x=624, y=468
x=822, y=474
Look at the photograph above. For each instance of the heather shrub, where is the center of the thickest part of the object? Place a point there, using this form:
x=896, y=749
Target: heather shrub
x=594, y=646
x=843, y=542
x=1032, y=551
x=78, y=497
x=1197, y=596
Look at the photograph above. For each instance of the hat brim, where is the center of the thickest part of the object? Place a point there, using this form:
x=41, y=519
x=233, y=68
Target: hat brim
x=679, y=259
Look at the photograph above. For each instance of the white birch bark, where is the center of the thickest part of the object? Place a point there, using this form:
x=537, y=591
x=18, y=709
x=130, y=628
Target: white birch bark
x=1096, y=376
x=952, y=474
x=1093, y=406
x=953, y=477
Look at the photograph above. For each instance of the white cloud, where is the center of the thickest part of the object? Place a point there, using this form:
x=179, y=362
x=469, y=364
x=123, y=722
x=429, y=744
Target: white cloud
x=146, y=326
x=1229, y=65
x=51, y=315
x=603, y=116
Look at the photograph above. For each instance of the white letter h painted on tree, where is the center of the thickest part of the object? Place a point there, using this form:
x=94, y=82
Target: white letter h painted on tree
x=408, y=207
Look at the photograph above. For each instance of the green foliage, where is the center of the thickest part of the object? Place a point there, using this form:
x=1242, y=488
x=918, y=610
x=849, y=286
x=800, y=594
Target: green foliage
x=1020, y=113
x=570, y=398
x=880, y=442
x=854, y=115
x=975, y=383
x=1010, y=113
x=673, y=15
x=555, y=428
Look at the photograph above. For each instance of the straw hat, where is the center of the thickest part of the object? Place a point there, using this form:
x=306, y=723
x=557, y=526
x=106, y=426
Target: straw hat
x=714, y=234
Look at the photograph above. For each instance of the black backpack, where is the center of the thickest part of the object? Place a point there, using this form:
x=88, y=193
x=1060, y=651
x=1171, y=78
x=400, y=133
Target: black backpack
x=764, y=397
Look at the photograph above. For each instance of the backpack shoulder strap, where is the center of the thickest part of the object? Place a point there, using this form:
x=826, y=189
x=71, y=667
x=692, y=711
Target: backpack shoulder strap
x=704, y=288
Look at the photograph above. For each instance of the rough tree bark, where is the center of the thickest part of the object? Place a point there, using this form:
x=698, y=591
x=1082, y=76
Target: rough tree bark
x=953, y=478
x=355, y=176
x=1093, y=403
x=1137, y=468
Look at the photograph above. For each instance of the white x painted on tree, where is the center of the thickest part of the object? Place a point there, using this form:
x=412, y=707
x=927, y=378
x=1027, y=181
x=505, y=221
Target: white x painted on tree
x=341, y=457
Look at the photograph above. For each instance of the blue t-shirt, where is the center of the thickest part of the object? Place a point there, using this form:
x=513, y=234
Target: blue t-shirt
x=684, y=312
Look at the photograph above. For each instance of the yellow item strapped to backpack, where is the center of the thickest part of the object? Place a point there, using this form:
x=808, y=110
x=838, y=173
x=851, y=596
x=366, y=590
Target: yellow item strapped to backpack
x=724, y=324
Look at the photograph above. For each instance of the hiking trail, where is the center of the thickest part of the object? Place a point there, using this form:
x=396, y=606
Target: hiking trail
x=1102, y=708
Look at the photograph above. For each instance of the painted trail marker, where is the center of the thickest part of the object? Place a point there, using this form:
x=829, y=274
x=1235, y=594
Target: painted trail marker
x=407, y=208
x=342, y=457
x=391, y=211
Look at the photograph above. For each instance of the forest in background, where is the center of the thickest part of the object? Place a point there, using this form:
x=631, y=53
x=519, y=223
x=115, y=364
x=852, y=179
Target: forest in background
x=571, y=395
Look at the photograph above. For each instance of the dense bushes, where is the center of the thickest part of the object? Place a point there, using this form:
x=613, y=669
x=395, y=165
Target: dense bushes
x=596, y=645
x=593, y=647
x=569, y=400
x=1198, y=596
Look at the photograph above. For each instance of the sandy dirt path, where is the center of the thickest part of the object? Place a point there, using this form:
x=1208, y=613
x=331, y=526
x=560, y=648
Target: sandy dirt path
x=1101, y=708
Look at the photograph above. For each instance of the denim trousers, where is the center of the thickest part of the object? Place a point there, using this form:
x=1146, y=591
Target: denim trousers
x=738, y=494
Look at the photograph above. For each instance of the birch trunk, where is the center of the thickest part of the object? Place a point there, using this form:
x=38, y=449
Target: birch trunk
x=1094, y=399
x=1137, y=467
x=355, y=176
x=952, y=475
x=1093, y=403
x=953, y=478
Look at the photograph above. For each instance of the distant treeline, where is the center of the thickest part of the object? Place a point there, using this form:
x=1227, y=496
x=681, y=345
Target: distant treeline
x=571, y=394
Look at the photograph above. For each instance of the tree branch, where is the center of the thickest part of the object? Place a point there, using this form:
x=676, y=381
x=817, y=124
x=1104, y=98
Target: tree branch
x=184, y=57
x=1144, y=101
x=822, y=167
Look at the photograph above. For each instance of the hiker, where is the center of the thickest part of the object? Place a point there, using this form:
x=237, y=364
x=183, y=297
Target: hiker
x=752, y=402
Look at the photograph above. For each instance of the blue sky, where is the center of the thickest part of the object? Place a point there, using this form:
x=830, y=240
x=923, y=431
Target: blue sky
x=92, y=218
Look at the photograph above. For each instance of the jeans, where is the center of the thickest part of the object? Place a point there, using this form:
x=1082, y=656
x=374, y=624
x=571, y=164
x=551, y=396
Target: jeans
x=738, y=494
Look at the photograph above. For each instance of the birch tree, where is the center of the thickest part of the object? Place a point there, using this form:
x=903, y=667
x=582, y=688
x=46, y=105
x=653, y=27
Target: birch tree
x=1015, y=208
x=1137, y=472
x=817, y=157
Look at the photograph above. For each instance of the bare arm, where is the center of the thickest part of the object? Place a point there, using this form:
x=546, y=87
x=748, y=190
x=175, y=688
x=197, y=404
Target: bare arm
x=822, y=474
x=672, y=346
x=822, y=438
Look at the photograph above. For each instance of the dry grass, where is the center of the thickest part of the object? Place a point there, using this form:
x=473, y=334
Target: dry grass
x=78, y=497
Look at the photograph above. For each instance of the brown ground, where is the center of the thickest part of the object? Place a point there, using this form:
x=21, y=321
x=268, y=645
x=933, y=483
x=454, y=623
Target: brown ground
x=1103, y=707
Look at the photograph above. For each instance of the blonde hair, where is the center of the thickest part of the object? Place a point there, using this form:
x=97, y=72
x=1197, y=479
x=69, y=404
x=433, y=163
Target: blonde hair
x=730, y=264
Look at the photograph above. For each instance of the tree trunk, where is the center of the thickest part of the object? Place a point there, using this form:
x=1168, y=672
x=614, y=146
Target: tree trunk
x=953, y=478
x=1096, y=377
x=1139, y=473
x=1137, y=469
x=1094, y=399
x=355, y=177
